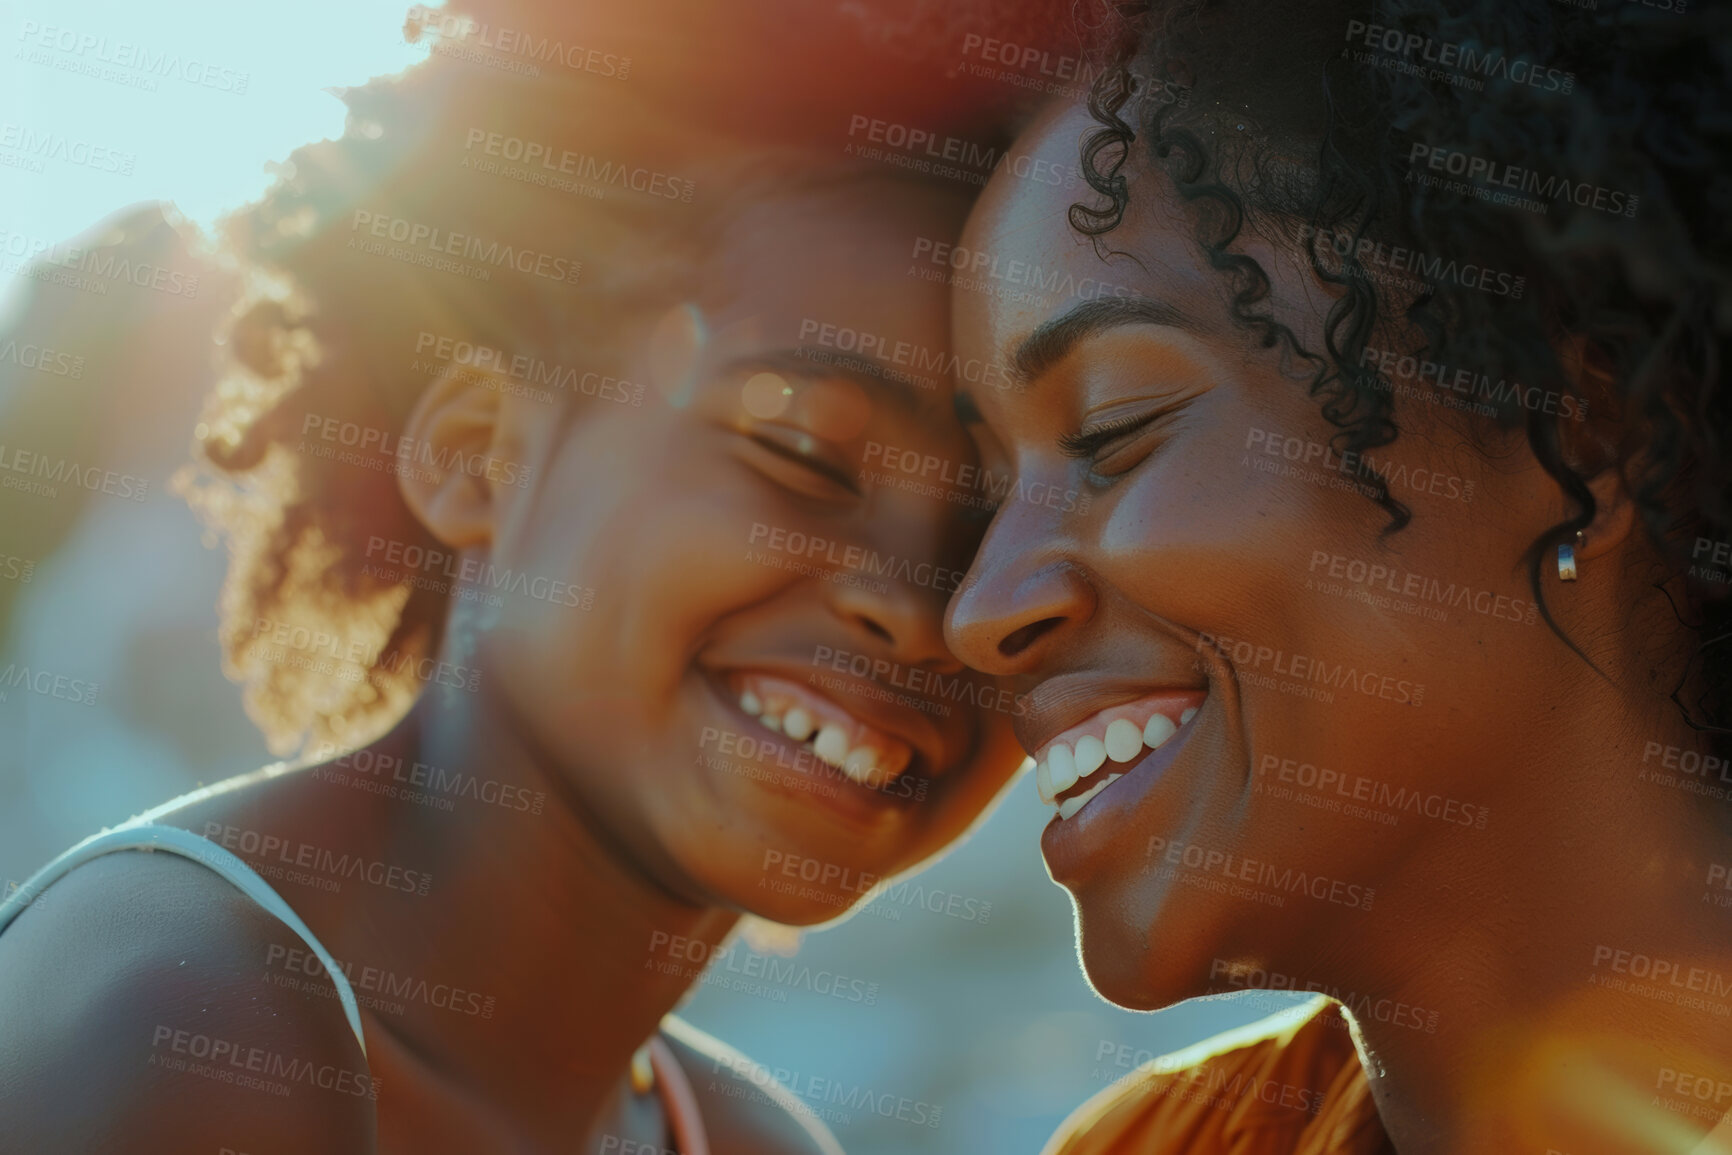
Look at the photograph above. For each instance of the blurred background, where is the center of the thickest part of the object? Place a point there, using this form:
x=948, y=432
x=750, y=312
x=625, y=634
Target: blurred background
x=983, y=1035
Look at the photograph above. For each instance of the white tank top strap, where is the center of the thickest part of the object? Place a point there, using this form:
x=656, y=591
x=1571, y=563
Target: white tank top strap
x=149, y=836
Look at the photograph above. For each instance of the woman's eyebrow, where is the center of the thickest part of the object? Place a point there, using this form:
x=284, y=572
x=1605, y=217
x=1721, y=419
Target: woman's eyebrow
x=1053, y=339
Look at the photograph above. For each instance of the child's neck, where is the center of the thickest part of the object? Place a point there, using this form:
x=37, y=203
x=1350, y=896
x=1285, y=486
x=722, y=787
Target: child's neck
x=541, y=956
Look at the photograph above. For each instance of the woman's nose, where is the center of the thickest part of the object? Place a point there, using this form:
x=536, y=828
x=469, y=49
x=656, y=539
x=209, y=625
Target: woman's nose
x=1016, y=607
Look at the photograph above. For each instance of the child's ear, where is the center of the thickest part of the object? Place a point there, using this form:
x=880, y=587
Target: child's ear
x=454, y=424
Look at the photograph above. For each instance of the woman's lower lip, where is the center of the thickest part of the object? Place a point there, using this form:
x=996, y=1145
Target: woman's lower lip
x=1100, y=828
x=796, y=772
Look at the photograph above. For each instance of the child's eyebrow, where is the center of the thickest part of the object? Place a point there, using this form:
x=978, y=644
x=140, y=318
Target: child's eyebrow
x=883, y=381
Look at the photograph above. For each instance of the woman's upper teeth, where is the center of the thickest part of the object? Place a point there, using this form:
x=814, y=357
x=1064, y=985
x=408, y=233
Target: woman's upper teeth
x=838, y=739
x=1120, y=734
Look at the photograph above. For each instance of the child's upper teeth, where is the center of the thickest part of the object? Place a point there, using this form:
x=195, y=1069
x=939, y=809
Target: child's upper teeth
x=798, y=724
x=861, y=764
x=837, y=739
x=1063, y=764
x=831, y=744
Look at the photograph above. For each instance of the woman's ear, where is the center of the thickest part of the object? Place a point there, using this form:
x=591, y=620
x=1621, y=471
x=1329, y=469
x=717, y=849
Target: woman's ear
x=1614, y=514
x=446, y=480
x=1590, y=436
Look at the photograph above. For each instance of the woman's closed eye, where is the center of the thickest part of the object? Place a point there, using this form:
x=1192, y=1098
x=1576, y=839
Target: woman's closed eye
x=1114, y=446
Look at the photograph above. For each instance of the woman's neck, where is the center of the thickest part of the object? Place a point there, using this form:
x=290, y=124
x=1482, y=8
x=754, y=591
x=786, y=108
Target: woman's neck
x=1575, y=965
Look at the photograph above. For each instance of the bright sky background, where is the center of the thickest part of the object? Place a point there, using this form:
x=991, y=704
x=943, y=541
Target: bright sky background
x=202, y=148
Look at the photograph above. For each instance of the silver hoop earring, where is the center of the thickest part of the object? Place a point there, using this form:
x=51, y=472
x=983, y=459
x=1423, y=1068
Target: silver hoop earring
x=1567, y=559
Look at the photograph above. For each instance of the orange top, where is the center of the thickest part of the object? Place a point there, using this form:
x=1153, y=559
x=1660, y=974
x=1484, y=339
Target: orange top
x=1290, y=1084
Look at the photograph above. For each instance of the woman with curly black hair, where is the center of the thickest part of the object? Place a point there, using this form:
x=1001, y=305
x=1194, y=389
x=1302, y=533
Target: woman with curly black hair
x=1390, y=661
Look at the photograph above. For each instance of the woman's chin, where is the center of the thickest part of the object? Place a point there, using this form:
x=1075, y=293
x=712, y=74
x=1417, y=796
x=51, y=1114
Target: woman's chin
x=1128, y=967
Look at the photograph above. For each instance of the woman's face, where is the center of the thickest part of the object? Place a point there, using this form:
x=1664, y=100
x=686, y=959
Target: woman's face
x=759, y=703
x=1310, y=724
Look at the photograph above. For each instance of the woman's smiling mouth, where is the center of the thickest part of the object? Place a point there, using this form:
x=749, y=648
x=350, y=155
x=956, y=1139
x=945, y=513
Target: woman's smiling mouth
x=1067, y=766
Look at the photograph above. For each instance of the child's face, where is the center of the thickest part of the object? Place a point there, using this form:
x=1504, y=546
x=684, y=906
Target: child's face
x=759, y=702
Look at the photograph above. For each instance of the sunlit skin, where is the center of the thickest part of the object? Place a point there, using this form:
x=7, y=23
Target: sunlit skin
x=1490, y=933
x=565, y=917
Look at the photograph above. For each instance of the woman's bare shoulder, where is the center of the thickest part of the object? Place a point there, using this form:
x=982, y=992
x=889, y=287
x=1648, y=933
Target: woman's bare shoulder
x=140, y=1011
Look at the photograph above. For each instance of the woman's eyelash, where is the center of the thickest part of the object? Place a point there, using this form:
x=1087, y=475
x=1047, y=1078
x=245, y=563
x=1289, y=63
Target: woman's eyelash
x=1085, y=443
